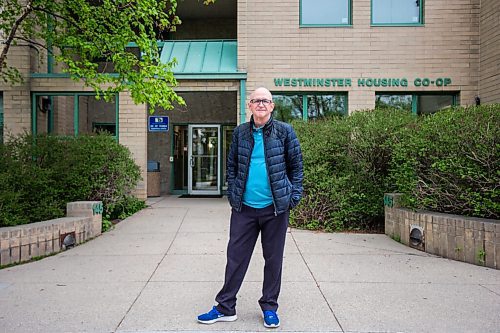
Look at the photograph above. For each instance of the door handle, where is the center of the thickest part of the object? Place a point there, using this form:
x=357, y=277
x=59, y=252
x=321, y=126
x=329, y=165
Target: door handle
x=191, y=161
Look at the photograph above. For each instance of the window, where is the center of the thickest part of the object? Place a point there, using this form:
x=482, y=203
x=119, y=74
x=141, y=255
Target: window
x=428, y=104
x=109, y=128
x=73, y=114
x=325, y=12
x=320, y=106
x=402, y=102
x=288, y=107
x=421, y=104
x=397, y=12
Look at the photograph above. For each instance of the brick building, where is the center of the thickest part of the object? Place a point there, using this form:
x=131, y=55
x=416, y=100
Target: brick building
x=316, y=56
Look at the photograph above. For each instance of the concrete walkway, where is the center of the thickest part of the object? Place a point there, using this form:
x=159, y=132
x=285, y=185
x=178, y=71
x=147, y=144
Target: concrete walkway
x=157, y=270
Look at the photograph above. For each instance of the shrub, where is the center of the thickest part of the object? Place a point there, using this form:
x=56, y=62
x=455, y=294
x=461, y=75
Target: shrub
x=38, y=176
x=450, y=162
x=28, y=187
x=321, y=143
x=346, y=164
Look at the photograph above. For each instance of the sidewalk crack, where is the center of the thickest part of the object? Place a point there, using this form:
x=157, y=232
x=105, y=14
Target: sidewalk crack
x=316, y=282
x=490, y=290
x=153, y=273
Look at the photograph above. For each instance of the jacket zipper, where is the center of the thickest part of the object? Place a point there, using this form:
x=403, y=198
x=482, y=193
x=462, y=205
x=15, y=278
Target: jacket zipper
x=248, y=168
x=267, y=168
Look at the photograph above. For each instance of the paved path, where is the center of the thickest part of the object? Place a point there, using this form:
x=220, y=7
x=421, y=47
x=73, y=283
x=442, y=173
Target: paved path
x=161, y=267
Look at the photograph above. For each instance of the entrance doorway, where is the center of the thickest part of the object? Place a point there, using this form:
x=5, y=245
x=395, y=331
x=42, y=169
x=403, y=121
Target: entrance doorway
x=204, y=156
x=184, y=150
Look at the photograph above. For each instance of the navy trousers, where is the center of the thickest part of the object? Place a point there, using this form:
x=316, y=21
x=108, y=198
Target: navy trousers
x=244, y=231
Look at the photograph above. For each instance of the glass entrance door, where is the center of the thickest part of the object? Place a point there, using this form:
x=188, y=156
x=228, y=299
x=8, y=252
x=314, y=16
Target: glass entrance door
x=204, y=159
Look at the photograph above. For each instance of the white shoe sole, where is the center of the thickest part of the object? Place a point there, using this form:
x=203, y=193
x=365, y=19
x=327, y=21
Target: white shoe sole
x=225, y=318
x=271, y=326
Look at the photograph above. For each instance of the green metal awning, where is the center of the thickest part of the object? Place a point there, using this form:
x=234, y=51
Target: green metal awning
x=207, y=59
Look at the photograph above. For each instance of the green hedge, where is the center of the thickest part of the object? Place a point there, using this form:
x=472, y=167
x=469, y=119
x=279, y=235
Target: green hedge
x=450, y=162
x=37, y=180
x=346, y=163
x=447, y=162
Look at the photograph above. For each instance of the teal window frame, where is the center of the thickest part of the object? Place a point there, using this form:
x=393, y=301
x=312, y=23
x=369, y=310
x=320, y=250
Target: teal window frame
x=400, y=24
x=321, y=25
x=76, y=109
x=416, y=95
x=305, y=94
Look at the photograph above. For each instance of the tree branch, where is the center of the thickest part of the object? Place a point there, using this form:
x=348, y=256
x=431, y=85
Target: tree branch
x=72, y=22
x=26, y=11
x=32, y=42
x=124, y=6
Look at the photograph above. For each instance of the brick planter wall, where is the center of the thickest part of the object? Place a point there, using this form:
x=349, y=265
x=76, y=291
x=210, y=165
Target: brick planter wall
x=473, y=240
x=23, y=242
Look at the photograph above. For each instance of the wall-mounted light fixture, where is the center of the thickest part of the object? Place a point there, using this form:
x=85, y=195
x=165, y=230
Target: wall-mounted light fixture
x=45, y=104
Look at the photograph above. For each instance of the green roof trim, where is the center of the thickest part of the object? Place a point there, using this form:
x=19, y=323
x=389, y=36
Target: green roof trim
x=204, y=58
x=196, y=60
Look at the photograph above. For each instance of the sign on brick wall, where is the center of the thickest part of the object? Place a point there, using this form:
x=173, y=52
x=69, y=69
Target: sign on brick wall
x=158, y=123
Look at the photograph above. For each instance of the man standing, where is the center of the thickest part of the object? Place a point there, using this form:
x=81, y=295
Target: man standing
x=264, y=172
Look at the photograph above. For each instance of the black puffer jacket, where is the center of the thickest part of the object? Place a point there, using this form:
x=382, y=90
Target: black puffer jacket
x=283, y=161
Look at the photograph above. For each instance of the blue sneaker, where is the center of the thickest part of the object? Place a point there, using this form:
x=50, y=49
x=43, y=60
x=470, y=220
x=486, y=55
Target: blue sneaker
x=214, y=316
x=271, y=319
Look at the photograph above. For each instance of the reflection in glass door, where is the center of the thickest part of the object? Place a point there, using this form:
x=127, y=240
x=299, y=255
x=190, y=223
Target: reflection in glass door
x=204, y=159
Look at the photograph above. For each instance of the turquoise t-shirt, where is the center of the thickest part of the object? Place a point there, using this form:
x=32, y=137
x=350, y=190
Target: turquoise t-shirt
x=257, y=189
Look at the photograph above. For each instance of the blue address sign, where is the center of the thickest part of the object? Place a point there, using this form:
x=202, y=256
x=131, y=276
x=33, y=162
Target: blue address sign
x=158, y=123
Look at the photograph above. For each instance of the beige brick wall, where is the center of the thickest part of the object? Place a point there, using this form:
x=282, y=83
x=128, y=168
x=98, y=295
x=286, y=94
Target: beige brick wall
x=132, y=129
x=271, y=44
x=489, y=84
x=17, y=103
x=207, y=85
x=17, y=112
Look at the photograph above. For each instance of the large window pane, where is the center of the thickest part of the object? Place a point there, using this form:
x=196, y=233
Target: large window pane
x=75, y=114
x=55, y=114
x=325, y=12
x=320, y=106
x=428, y=104
x=287, y=107
x=96, y=115
x=419, y=103
x=396, y=11
x=402, y=102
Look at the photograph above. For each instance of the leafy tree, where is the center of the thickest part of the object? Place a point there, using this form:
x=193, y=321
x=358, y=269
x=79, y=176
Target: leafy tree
x=82, y=34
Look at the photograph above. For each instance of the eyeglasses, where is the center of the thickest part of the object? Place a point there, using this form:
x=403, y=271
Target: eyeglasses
x=264, y=102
